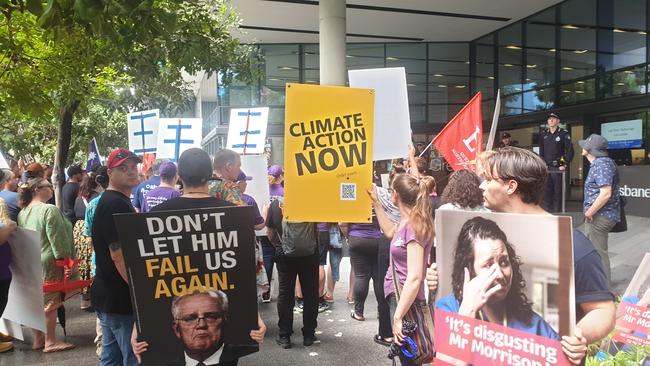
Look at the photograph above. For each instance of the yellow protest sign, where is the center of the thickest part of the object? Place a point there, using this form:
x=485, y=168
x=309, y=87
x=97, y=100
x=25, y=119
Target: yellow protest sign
x=328, y=153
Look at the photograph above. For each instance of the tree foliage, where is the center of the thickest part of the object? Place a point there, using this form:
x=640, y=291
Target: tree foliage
x=71, y=69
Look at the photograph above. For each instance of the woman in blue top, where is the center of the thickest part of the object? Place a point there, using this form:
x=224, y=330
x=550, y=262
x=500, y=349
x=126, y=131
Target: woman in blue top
x=488, y=283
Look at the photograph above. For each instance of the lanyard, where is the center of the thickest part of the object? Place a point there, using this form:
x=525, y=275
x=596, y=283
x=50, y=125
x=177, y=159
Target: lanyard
x=505, y=317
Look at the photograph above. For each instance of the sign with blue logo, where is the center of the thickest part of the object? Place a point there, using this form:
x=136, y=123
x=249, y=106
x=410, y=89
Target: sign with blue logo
x=143, y=131
x=176, y=135
x=247, y=130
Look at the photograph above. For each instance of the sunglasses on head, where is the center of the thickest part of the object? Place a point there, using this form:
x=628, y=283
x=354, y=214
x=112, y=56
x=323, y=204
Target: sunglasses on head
x=123, y=154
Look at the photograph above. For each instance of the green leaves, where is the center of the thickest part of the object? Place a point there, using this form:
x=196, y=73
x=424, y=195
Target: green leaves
x=88, y=10
x=112, y=56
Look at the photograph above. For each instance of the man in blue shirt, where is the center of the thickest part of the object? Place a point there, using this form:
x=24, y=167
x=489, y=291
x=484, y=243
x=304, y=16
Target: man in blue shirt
x=137, y=196
x=602, y=205
x=9, y=185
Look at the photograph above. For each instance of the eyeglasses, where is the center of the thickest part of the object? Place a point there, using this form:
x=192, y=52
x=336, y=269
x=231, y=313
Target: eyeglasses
x=210, y=318
x=46, y=186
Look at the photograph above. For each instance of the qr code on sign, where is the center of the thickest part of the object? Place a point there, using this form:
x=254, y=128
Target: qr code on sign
x=348, y=191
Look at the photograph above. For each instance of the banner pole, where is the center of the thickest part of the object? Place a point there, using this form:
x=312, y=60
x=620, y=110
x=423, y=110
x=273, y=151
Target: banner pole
x=495, y=122
x=426, y=148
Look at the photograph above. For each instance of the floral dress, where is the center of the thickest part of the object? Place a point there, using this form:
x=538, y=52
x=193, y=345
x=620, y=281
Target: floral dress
x=56, y=243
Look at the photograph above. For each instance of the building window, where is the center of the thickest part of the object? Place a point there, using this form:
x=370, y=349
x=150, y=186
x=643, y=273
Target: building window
x=577, y=50
x=448, y=79
x=540, y=64
x=510, y=69
x=281, y=66
x=412, y=56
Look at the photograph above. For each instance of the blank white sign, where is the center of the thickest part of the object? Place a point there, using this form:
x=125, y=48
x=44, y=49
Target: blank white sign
x=392, y=130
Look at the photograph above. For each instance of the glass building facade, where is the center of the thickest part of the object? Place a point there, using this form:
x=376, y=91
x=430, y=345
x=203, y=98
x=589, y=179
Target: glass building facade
x=586, y=60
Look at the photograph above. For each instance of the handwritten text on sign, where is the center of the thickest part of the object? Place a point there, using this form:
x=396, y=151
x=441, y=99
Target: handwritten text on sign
x=479, y=342
x=165, y=237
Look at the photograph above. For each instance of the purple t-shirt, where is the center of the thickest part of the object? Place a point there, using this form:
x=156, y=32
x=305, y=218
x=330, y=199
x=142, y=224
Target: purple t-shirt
x=398, y=259
x=275, y=191
x=250, y=201
x=368, y=231
x=323, y=227
x=157, y=196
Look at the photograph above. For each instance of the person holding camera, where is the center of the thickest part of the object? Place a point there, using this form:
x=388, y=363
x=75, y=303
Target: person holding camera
x=411, y=242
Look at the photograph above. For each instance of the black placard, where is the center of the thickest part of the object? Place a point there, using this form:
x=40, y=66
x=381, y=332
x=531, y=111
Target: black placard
x=173, y=253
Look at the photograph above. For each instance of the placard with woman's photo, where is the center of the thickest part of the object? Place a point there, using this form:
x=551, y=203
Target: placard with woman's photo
x=506, y=288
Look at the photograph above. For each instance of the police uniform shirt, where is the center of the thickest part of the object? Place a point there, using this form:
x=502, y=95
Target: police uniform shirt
x=553, y=146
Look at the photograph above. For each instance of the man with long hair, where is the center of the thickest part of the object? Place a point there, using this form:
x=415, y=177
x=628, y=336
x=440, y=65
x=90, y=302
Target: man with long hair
x=514, y=182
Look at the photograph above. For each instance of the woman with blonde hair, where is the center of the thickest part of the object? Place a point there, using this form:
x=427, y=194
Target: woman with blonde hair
x=56, y=243
x=411, y=243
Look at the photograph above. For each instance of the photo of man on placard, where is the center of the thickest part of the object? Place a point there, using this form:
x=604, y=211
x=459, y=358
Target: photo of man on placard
x=182, y=316
x=199, y=320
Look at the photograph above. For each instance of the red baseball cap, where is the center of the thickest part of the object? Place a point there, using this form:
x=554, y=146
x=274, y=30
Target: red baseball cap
x=119, y=157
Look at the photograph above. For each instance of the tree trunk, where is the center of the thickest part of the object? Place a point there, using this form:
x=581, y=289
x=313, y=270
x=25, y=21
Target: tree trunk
x=66, y=114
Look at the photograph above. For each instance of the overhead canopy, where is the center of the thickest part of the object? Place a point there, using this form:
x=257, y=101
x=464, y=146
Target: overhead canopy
x=296, y=21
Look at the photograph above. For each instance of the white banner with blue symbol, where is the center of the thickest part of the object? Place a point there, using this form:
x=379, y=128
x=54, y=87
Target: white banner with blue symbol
x=247, y=130
x=176, y=135
x=143, y=131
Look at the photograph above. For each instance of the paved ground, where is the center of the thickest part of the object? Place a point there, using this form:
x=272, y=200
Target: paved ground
x=343, y=341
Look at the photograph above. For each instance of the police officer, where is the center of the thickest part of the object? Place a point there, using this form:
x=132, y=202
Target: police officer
x=557, y=151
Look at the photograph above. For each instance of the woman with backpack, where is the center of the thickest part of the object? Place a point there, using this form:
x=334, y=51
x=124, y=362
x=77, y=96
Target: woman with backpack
x=297, y=254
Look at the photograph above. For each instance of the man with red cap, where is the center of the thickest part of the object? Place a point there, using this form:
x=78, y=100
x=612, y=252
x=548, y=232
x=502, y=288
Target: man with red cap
x=110, y=290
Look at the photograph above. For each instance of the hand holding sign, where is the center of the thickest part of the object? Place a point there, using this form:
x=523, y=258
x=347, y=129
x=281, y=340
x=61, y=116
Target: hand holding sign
x=478, y=290
x=575, y=347
x=372, y=192
x=432, y=277
x=138, y=347
x=258, y=334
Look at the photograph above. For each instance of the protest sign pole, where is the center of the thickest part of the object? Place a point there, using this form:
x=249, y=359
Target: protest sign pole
x=426, y=148
x=495, y=122
x=248, y=120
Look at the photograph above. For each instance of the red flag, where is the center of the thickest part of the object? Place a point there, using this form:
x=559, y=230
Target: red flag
x=147, y=162
x=461, y=139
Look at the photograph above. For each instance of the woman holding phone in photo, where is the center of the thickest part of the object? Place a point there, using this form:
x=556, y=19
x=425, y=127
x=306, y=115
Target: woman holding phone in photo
x=411, y=242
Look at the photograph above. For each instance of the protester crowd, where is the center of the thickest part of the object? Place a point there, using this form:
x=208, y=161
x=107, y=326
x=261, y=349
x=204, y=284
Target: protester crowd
x=394, y=250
